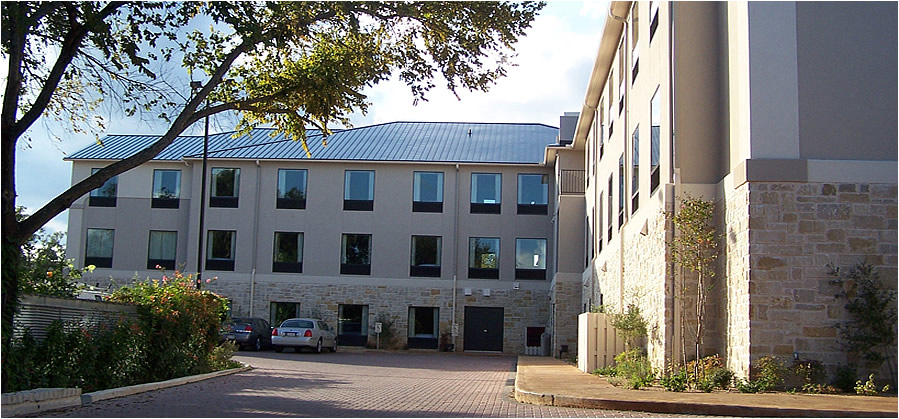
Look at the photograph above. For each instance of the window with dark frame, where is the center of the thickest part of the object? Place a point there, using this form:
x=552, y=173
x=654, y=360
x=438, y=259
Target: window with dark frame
x=635, y=171
x=359, y=190
x=654, y=18
x=220, y=247
x=621, y=192
x=355, y=254
x=105, y=195
x=427, y=192
x=655, y=139
x=533, y=191
x=425, y=256
x=530, y=259
x=280, y=311
x=291, y=189
x=486, y=193
x=483, y=258
x=224, y=192
x=424, y=327
x=609, y=210
x=635, y=37
x=599, y=224
x=161, y=249
x=98, y=247
x=166, y=188
x=287, y=254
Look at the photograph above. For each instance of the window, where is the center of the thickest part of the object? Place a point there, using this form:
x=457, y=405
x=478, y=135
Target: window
x=654, y=18
x=280, y=311
x=483, y=257
x=166, y=188
x=98, y=249
x=635, y=172
x=105, y=195
x=291, y=189
x=486, y=190
x=621, y=191
x=288, y=252
x=161, y=249
x=609, y=206
x=622, y=71
x=423, y=327
x=355, y=254
x=425, y=256
x=352, y=324
x=655, y=134
x=635, y=37
x=599, y=224
x=602, y=127
x=427, y=192
x=530, y=258
x=220, y=250
x=359, y=190
x=225, y=185
x=532, y=193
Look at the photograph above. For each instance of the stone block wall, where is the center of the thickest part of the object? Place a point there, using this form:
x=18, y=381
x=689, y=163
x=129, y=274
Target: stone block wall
x=734, y=224
x=566, y=301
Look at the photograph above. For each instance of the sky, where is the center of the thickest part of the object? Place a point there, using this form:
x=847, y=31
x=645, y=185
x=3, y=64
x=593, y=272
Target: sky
x=553, y=66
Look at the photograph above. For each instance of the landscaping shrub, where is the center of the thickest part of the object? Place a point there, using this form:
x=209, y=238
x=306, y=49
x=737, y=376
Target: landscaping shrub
x=845, y=378
x=770, y=374
x=675, y=381
x=633, y=367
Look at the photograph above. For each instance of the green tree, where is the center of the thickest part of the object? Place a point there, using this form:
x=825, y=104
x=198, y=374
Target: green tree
x=44, y=268
x=289, y=64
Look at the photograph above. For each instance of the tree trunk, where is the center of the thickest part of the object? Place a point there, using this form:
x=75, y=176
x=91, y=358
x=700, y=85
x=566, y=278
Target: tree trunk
x=12, y=260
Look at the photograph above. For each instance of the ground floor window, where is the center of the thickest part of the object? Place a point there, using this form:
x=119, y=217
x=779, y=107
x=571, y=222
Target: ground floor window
x=281, y=311
x=352, y=324
x=423, y=327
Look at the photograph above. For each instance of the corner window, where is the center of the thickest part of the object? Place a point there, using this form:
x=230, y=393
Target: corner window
x=423, y=327
x=291, y=189
x=427, y=192
x=166, y=188
x=532, y=193
x=483, y=257
x=635, y=172
x=162, y=248
x=655, y=137
x=359, y=190
x=98, y=247
x=355, y=254
x=425, y=256
x=225, y=185
x=220, y=246
x=105, y=195
x=288, y=252
x=530, y=258
x=486, y=192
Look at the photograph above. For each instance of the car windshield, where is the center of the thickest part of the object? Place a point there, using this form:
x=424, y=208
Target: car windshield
x=298, y=324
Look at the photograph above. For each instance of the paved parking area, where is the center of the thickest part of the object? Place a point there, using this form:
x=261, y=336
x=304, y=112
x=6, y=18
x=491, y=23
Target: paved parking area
x=345, y=384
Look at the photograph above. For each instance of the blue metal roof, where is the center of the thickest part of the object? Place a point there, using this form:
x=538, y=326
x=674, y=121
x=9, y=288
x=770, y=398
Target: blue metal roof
x=516, y=143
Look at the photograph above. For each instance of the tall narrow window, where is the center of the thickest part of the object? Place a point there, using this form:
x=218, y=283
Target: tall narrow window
x=486, y=192
x=530, y=259
x=355, y=254
x=359, y=190
x=98, y=247
x=225, y=187
x=621, y=192
x=425, y=256
x=635, y=37
x=423, y=327
x=220, y=246
x=654, y=18
x=427, y=192
x=291, y=189
x=352, y=324
x=288, y=252
x=655, y=138
x=622, y=77
x=105, y=195
x=162, y=248
x=609, y=209
x=635, y=172
x=483, y=257
x=599, y=224
x=533, y=191
x=166, y=188
x=602, y=128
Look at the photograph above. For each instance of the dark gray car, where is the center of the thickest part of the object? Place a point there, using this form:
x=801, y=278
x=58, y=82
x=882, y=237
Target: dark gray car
x=248, y=332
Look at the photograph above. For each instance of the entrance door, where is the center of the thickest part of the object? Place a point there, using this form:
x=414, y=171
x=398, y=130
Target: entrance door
x=483, y=329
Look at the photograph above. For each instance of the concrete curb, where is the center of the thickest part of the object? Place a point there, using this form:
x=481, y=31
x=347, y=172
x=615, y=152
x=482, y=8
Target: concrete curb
x=685, y=407
x=112, y=393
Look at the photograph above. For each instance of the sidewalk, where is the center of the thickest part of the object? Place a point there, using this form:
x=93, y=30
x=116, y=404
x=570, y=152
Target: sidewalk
x=549, y=381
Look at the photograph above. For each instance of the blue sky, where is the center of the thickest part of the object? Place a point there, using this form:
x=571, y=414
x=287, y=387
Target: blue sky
x=554, y=62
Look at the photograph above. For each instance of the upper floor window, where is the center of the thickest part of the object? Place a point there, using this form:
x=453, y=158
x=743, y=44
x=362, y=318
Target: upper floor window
x=621, y=192
x=635, y=172
x=98, y=247
x=161, y=249
x=291, y=189
x=599, y=223
x=359, y=190
x=105, y=195
x=288, y=252
x=355, y=254
x=427, y=192
x=220, y=249
x=653, y=18
x=425, y=256
x=486, y=192
x=166, y=188
x=532, y=193
x=225, y=187
x=655, y=138
x=622, y=71
x=530, y=258
x=483, y=257
x=635, y=38
x=609, y=209
x=602, y=128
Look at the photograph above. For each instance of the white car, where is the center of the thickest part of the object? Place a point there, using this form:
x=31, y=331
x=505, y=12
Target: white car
x=304, y=332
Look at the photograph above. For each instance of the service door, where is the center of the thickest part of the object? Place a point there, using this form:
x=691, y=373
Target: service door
x=483, y=329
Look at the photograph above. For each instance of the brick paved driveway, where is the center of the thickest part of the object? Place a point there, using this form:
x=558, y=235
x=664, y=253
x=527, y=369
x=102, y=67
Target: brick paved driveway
x=345, y=384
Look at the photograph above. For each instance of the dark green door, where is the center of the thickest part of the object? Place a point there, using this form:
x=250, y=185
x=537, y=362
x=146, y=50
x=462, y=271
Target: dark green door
x=483, y=329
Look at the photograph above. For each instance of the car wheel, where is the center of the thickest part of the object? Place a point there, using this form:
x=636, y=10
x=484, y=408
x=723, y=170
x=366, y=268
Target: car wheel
x=278, y=349
x=257, y=345
x=318, y=346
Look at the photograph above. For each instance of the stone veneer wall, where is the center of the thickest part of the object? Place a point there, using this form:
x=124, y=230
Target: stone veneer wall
x=566, y=301
x=734, y=224
x=795, y=230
